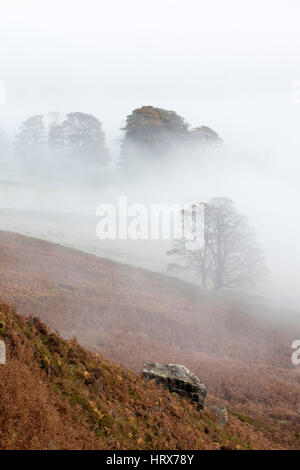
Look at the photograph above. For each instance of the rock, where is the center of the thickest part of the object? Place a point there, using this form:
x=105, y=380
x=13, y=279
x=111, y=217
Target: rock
x=177, y=378
x=220, y=412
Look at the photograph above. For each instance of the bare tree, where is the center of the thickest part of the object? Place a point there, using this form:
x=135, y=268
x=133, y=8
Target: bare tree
x=229, y=256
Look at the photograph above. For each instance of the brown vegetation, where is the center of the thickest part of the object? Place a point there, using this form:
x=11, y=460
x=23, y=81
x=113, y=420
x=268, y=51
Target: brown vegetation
x=56, y=395
x=130, y=316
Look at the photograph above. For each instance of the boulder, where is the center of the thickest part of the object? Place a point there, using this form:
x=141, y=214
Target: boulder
x=177, y=378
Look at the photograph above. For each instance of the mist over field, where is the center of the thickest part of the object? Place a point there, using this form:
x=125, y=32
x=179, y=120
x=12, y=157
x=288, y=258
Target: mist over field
x=265, y=192
x=240, y=81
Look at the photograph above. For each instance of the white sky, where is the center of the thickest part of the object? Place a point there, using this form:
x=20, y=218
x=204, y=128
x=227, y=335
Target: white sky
x=228, y=64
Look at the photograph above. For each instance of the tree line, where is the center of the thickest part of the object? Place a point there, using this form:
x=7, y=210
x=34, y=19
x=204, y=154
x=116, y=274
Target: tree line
x=149, y=134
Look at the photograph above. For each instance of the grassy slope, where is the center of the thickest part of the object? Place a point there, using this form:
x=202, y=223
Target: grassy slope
x=130, y=316
x=56, y=395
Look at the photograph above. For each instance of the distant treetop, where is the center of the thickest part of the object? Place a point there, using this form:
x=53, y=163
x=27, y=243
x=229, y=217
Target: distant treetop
x=148, y=118
x=153, y=133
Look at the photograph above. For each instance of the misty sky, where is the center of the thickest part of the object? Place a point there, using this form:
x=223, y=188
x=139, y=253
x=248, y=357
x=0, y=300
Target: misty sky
x=227, y=64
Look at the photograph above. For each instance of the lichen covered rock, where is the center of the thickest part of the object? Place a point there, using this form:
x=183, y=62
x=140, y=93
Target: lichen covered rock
x=177, y=378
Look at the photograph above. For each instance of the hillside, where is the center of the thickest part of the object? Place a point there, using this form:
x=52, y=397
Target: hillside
x=131, y=316
x=56, y=395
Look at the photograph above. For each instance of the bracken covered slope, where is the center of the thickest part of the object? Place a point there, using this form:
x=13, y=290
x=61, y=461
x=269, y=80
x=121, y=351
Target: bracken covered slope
x=56, y=395
x=132, y=316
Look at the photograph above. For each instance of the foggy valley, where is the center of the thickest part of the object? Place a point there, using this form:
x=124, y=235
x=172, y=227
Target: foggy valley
x=162, y=105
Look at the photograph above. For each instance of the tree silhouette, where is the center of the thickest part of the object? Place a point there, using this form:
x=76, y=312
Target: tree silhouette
x=229, y=257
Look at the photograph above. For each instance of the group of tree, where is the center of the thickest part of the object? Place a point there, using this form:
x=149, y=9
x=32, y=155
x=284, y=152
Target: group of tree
x=77, y=136
x=154, y=133
x=228, y=256
x=150, y=134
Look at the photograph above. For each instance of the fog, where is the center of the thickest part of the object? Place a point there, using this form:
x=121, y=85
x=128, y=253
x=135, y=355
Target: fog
x=227, y=65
